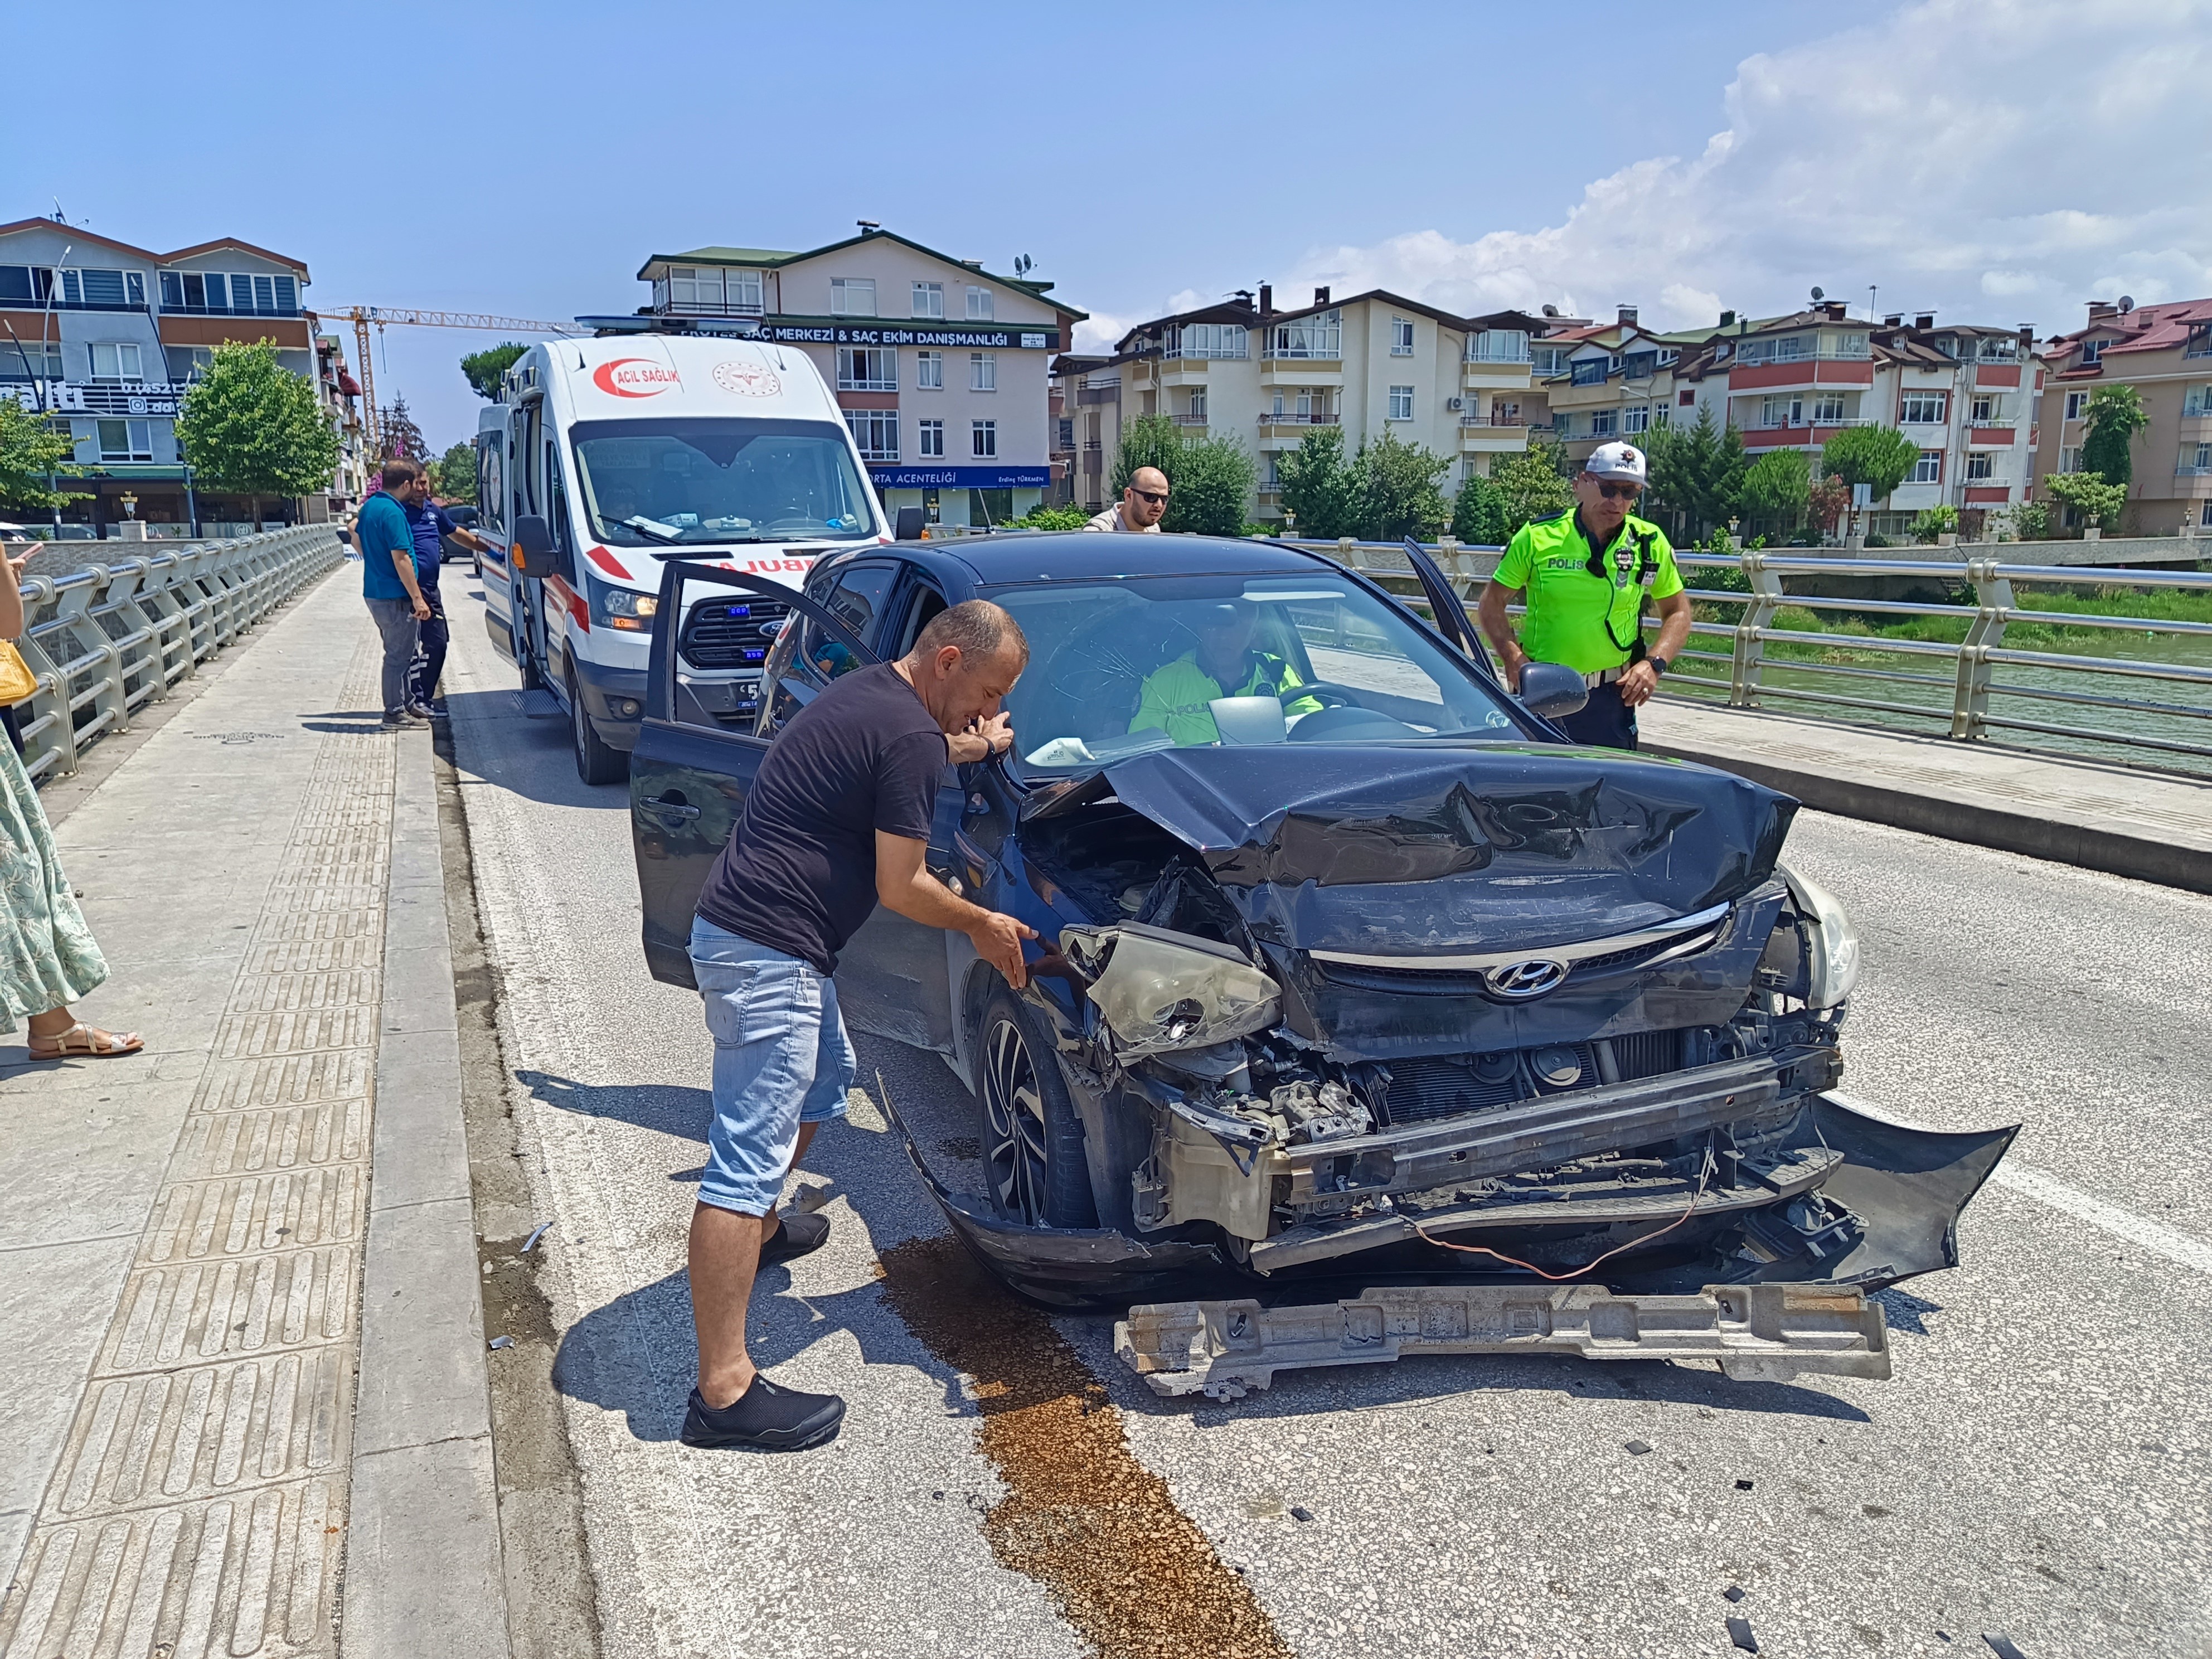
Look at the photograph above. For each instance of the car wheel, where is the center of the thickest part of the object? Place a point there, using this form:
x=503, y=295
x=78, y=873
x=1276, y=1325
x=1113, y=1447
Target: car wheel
x=1033, y=1145
x=596, y=761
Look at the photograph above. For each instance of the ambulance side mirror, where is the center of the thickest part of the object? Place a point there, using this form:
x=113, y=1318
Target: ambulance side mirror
x=531, y=550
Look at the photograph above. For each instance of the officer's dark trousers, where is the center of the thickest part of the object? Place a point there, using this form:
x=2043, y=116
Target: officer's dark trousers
x=432, y=638
x=1604, y=721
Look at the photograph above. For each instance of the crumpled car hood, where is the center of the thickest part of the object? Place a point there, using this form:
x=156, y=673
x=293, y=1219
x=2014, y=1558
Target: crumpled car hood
x=1406, y=849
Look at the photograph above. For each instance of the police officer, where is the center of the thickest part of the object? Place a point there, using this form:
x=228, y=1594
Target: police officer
x=1588, y=573
x=1177, y=696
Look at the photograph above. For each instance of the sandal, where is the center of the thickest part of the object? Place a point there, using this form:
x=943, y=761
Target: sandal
x=82, y=1039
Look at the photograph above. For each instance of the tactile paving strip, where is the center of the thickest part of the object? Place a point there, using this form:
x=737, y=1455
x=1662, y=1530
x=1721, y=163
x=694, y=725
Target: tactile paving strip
x=199, y=1507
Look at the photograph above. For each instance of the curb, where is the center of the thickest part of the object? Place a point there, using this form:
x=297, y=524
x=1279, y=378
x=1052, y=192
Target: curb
x=424, y=1570
x=1950, y=817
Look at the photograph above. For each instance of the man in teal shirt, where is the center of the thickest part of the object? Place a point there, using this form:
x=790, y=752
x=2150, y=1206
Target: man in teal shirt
x=388, y=584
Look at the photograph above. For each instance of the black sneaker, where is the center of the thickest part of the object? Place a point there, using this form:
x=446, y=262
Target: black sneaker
x=797, y=1232
x=764, y=1417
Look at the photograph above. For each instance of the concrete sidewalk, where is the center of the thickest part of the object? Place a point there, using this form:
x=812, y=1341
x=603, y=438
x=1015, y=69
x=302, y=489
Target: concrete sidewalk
x=2152, y=826
x=188, y=1462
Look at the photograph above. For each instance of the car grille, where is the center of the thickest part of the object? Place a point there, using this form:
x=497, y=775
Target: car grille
x=1446, y=1085
x=731, y=633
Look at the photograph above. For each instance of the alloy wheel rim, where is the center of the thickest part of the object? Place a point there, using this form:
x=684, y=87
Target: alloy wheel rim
x=1014, y=1109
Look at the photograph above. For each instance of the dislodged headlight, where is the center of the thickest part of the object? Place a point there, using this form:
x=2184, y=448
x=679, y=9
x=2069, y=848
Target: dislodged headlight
x=1832, y=943
x=1159, y=990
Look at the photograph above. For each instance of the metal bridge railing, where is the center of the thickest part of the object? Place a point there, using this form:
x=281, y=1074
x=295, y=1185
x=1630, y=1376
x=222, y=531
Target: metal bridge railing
x=1946, y=686
x=107, y=639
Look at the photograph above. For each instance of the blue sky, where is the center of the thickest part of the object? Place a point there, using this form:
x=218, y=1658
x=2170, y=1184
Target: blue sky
x=2004, y=158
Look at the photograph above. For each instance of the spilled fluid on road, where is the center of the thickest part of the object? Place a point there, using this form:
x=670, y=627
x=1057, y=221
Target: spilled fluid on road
x=1101, y=1532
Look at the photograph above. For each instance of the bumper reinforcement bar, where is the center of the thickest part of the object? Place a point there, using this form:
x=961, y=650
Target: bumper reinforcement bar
x=1757, y=1332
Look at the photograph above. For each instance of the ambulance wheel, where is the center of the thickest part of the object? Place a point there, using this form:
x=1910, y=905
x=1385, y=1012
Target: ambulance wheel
x=596, y=761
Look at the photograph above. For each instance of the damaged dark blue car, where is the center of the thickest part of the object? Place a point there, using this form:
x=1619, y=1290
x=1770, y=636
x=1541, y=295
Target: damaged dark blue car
x=1362, y=971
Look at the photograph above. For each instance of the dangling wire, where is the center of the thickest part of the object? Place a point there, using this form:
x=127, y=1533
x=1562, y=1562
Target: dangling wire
x=1705, y=1174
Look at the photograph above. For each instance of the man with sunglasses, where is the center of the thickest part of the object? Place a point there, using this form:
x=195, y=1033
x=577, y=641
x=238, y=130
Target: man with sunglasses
x=1587, y=573
x=1142, y=505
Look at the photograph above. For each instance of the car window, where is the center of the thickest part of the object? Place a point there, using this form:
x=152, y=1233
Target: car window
x=856, y=599
x=1120, y=667
x=924, y=602
x=723, y=641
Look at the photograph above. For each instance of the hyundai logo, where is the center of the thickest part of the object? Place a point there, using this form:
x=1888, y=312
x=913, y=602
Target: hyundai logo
x=1519, y=982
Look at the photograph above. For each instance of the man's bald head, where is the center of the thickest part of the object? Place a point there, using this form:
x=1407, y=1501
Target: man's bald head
x=1144, y=502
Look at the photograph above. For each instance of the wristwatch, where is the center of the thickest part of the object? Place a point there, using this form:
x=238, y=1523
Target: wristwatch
x=1658, y=663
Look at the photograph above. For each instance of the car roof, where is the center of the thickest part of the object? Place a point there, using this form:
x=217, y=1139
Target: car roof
x=1065, y=556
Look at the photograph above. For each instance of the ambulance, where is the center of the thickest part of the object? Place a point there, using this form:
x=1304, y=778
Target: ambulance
x=606, y=457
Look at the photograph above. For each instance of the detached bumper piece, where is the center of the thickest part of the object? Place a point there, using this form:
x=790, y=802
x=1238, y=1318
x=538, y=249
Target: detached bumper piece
x=1758, y=1333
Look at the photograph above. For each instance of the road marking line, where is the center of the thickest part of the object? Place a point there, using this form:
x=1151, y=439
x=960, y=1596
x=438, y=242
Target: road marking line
x=2031, y=1182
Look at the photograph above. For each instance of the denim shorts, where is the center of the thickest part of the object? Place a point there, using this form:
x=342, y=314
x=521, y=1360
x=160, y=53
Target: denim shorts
x=781, y=1059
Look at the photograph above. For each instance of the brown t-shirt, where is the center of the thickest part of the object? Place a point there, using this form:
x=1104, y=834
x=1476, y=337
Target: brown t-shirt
x=1111, y=519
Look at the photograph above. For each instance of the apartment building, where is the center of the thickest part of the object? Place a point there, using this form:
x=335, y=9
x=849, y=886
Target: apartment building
x=338, y=390
x=1596, y=383
x=1965, y=393
x=1370, y=364
x=106, y=336
x=2164, y=352
x=939, y=366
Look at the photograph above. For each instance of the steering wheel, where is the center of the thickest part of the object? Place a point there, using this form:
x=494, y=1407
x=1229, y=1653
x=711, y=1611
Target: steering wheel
x=1327, y=693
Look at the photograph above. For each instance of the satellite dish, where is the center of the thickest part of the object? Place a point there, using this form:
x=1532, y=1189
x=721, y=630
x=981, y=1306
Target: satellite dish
x=2127, y=303
x=1023, y=264
x=1817, y=296
x=1551, y=311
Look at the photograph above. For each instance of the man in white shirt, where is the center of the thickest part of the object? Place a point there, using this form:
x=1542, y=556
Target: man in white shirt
x=1142, y=505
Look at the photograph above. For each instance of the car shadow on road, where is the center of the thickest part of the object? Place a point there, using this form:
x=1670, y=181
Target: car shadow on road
x=520, y=732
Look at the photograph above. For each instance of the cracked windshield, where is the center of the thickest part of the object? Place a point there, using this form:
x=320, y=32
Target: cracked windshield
x=1117, y=668
x=681, y=482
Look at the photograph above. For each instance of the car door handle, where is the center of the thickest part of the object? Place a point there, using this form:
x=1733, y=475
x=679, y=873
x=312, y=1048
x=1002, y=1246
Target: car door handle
x=670, y=809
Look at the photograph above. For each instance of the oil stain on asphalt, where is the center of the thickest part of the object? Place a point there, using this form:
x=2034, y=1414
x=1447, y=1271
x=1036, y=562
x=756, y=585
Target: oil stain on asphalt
x=1128, y=1569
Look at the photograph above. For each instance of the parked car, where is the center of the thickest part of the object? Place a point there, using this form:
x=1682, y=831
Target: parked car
x=466, y=517
x=1376, y=973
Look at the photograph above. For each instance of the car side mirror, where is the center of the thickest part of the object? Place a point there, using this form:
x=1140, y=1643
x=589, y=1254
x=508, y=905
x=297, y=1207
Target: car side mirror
x=908, y=527
x=1552, y=690
x=532, y=551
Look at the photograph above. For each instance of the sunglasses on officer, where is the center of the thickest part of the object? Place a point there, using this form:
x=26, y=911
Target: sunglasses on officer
x=1620, y=492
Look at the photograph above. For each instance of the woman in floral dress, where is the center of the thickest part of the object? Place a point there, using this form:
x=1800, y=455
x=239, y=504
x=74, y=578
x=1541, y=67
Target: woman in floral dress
x=47, y=958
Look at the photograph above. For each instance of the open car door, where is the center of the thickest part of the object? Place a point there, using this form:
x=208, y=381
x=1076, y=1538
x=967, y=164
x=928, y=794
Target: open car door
x=1450, y=614
x=734, y=657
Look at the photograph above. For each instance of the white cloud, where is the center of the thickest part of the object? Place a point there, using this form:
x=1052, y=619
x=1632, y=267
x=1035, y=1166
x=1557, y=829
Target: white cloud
x=1993, y=159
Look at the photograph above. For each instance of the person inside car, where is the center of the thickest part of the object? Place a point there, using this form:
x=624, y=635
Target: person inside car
x=1225, y=663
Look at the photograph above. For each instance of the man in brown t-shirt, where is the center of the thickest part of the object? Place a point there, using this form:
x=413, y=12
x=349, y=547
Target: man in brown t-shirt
x=1142, y=505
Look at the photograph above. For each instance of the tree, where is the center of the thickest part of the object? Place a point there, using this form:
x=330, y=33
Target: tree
x=250, y=426
x=1398, y=490
x=483, y=368
x=1208, y=479
x=1826, y=502
x=1879, y=457
x=1479, y=513
x=2029, y=521
x=1321, y=490
x=398, y=437
x=453, y=474
x=32, y=453
x=1777, y=485
x=1044, y=517
x=1529, y=486
x=1697, y=470
x=2115, y=415
x=2087, y=494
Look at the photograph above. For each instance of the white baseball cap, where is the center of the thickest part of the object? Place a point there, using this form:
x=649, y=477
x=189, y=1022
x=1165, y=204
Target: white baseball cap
x=1616, y=461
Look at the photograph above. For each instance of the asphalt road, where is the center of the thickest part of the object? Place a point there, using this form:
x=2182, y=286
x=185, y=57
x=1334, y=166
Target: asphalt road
x=2038, y=1467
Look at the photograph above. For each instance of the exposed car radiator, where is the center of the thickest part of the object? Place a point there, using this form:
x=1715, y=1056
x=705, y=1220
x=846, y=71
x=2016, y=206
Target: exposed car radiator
x=1446, y=1085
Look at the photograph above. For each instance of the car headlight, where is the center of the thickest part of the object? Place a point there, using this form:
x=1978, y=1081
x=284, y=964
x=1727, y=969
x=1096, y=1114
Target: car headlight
x=1160, y=991
x=620, y=609
x=1832, y=966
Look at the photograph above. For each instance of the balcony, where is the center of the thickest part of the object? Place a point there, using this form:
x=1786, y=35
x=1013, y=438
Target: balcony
x=1477, y=419
x=861, y=383
x=1197, y=420
x=1292, y=417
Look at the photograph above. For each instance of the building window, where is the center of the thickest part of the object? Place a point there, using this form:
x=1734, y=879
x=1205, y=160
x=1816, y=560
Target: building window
x=1402, y=337
x=929, y=370
x=188, y=363
x=979, y=305
x=125, y=440
x=1198, y=405
x=1929, y=469
x=852, y=296
x=1590, y=371
x=118, y=361
x=1983, y=410
x=2196, y=460
x=1219, y=340
x=1639, y=365
x=1827, y=408
x=982, y=372
x=25, y=284
x=2204, y=517
x=1320, y=336
x=984, y=440
x=2069, y=460
x=932, y=438
x=2197, y=401
x=1498, y=345
x=690, y=288
x=866, y=368
x=2093, y=351
x=1776, y=412
x=2075, y=402
x=1604, y=422
x=1980, y=466
x=29, y=359
x=1401, y=403
x=1636, y=418
x=1067, y=439
x=743, y=291
x=876, y=431
x=929, y=299
x=1921, y=409
x=1544, y=361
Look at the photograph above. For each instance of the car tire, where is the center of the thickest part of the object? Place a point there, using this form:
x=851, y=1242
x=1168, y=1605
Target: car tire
x=1033, y=1147
x=596, y=761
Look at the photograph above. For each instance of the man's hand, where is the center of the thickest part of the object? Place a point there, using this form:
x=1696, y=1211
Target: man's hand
x=1636, y=683
x=1515, y=660
x=982, y=739
x=421, y=609
x=997, y=940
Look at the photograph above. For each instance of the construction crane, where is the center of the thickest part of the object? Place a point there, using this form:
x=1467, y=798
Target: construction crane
x=362, y=316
